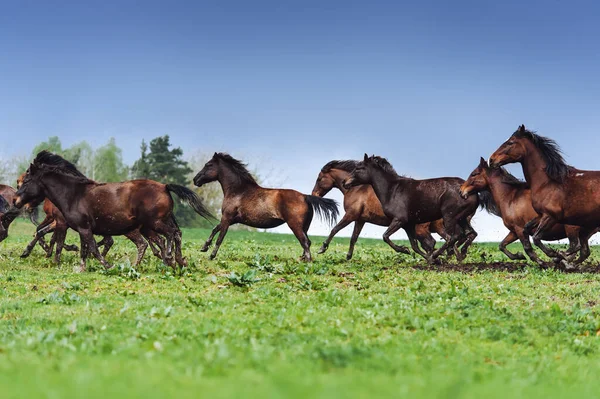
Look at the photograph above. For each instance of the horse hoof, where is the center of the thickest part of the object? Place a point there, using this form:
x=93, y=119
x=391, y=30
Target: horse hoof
x=204, y=248
x=568, y=267
x=322, y=250
x=349, y=257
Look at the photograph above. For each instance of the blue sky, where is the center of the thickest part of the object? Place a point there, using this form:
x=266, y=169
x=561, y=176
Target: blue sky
x=432, y=85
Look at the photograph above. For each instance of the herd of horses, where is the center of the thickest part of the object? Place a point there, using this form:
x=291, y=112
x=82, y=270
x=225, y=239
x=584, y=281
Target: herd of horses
x=556, y=201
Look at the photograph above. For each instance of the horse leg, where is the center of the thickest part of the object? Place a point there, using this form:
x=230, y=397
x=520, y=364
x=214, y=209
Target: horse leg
x=136, y=237
x=51, y=245
x=297, y=229
x=156, y=242
x=394, y=226
x=40, y=232
x=208, y=242
x=524, y=238
x=358, y=225
x=469, y=236
x=511, y=237
x=546, y=222
x=92, y=247
x=451, y=226
x=181, y=261
x=574, y=242
x=224, y=226
x=414, y=243
x=60, y=235
x=83, y=253
x=107, y=242
x=346, y=220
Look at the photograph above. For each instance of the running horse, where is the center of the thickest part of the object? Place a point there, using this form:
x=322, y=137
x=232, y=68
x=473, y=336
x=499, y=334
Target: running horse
x=107, y=208
x=560, y=193
x=246, y=202
x=4, y=206
x=511, y=200
x=362, y=206
x=409, y=202
x=55, y=223
x=10, y=213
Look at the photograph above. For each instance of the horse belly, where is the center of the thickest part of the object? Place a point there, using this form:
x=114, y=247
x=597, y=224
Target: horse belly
x=265, y=223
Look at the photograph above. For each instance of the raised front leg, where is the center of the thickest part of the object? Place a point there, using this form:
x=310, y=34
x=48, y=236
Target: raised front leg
x=346, y=220
x=511, y=237
x=394, y=226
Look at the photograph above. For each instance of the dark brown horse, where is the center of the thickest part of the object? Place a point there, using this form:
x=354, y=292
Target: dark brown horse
x=408, y=202
x=10, y=213
x=362, y=206
x=4, y=206
x=512, y=202
x=56, y=224
x=248, y=203
x=559, y=192
x=106, y=209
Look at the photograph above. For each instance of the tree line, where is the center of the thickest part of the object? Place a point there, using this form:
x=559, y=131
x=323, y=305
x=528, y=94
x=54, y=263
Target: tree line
x=158, y=160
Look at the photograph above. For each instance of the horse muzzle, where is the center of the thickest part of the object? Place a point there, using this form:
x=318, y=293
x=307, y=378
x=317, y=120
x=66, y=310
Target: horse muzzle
x=17, y=202
x=465, y=192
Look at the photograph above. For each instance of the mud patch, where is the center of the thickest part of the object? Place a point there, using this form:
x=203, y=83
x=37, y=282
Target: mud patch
x=511, y=267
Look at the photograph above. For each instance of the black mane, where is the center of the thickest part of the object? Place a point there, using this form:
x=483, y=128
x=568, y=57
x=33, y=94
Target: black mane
x=486, y=201
x=347, y=165
x=384, y=165
x=238, y=167
x=56, y=163
x=556, y=167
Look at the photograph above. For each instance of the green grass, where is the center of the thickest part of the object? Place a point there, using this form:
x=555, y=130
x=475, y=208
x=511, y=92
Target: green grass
x=256, y=322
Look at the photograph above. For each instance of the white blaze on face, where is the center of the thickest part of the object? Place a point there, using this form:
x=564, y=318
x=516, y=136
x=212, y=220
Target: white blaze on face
x=579, y=174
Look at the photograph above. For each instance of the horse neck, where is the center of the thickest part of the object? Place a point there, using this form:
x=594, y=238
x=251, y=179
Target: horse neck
x=339, y=176
x=232, y=184
x=56, y=186
x=381, y=183
x=501, y=191
x=534, y=167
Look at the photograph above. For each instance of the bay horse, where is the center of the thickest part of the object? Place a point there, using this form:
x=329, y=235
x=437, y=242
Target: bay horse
x=56, y=224
x=106, y=208
x=362, y=206
x=408, y=202
x=560, y=193
x=511, y=200
x=246, y=202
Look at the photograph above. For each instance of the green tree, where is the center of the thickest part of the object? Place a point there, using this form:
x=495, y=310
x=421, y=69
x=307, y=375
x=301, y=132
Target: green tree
x=108, y=163
x=166, y=165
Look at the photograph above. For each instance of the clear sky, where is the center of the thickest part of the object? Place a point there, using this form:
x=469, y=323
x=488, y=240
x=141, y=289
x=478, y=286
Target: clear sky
x=431, y=85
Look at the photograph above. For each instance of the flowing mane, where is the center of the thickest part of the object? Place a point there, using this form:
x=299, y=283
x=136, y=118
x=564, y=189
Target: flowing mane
x=56, y=163
x=347, y=165
x=486, y=201
x=384, y=165
x=237, y=166
x=556, y=167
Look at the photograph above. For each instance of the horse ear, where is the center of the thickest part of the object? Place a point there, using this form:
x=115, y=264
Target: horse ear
x=32, y=168
x=522, y=128
x=366, y=157
x=215, y=155
x=483, y=163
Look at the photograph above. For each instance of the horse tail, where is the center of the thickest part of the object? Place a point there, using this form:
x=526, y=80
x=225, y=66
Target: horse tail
x=325, y=208
x=486, y=201
x=191, y=198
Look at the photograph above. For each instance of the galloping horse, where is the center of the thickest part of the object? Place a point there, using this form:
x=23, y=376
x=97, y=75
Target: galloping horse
x=408, y=202
x=559, y=192
x=512, y=202
x=248, y=203
x=106, y=208
x=56, y=224
x=362, y=206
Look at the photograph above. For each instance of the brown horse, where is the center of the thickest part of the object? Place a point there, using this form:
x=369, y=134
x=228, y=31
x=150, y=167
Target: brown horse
x=408, y=202
x=248, y=203
x=362, y=206
x=4, y=206
x=512, y=202
x=559, y=192
x=56, y=224
x=106, y=209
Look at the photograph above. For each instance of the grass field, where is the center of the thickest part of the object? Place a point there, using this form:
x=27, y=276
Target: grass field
x=256, y=322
